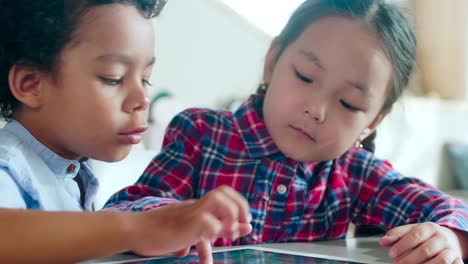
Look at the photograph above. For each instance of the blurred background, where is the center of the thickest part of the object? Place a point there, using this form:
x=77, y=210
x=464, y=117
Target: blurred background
x=210, y=50
x=210, y=53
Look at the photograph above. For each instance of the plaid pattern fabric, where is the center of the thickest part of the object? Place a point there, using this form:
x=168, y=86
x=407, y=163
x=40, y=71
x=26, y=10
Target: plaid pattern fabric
x=289, y=200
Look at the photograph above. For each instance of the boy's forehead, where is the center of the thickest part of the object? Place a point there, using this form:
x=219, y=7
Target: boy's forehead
x=114, y=27
x=104, y=20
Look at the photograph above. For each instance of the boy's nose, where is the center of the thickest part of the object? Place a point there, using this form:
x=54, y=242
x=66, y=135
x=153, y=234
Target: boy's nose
x=143, y=105
x=137, y=100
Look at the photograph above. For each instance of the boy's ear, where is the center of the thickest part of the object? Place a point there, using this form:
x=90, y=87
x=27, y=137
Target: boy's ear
x=270, y=61
x=25, y=85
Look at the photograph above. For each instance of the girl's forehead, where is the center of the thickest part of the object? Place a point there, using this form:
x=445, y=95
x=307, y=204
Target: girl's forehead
x=328, y=30
x=346, y=49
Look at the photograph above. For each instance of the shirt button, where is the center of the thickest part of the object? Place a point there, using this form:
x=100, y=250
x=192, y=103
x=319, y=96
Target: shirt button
x=71, y=168
x=281, y=189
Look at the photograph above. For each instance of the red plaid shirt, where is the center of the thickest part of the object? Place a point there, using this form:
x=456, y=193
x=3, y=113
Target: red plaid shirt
x=289, y=200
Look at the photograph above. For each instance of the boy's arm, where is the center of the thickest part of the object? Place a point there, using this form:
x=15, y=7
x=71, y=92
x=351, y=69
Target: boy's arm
x=66, y=237
x=170, y=176
x=62, y=237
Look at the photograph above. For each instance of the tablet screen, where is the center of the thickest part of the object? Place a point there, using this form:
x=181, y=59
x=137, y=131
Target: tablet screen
x=249, y=256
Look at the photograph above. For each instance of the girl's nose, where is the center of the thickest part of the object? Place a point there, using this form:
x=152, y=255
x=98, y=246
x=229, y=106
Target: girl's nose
x=316, y=111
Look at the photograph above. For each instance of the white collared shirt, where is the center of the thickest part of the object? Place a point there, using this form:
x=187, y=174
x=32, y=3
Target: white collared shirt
x=34, y=177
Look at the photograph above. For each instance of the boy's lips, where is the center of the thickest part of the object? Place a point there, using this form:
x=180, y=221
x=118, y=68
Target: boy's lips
x=133, y=136
x=138, y=130
x=303, y=132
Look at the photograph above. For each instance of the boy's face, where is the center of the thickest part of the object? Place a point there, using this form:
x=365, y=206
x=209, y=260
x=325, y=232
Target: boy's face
x=325, y=89
x=97, y=107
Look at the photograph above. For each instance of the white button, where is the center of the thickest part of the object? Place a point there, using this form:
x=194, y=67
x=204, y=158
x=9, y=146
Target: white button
x=281, y=189
x=265, y=198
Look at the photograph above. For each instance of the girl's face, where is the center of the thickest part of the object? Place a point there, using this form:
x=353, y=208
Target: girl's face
x=97, y=107
x=325, y=89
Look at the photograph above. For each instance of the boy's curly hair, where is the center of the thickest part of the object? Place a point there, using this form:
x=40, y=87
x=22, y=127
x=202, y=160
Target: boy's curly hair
x=34, y=33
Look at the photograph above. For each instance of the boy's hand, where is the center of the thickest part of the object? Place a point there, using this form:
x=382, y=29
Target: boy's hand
x=424, y=243
x=175, y=228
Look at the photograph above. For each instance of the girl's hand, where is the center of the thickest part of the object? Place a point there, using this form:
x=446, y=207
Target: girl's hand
x=222, y=212
x=424, y=243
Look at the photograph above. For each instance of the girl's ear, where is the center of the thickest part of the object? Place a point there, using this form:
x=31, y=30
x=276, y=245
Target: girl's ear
x=270, y=61
x=25, y=85
x=364, y=134
x=373, y=126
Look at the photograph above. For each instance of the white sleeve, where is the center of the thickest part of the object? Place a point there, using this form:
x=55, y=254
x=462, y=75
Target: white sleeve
x=10, y=193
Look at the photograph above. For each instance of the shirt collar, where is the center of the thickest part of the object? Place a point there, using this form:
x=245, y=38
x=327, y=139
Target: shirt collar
x=58, y=165
x=248, y=119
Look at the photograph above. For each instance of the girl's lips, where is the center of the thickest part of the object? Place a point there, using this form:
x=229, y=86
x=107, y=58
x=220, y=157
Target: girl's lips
x=304, y=133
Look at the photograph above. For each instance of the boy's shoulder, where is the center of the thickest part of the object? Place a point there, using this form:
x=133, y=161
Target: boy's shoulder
x=12, y=147
x=17, y=158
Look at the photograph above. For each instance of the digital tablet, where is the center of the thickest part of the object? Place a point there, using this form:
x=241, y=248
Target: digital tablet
x=244, y=255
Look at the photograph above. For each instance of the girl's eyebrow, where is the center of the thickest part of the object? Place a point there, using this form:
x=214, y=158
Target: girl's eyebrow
x=312, y=57
x=121, y=58
x=361, y=87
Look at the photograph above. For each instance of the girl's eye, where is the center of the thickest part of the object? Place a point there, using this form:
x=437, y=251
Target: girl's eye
x=349, y=107
x=110, y=81
x=302, y=77
x=147, y=83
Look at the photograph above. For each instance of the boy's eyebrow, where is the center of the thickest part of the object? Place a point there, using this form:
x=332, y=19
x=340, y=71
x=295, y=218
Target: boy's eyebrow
x=121, y=58
x=312, y=57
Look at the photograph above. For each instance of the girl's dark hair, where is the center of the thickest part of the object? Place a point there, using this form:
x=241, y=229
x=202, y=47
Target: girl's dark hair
x=34, y=33
x=387, y=21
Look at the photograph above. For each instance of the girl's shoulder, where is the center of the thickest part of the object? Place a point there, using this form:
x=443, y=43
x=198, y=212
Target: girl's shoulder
x=360, y=161
x=204, y=118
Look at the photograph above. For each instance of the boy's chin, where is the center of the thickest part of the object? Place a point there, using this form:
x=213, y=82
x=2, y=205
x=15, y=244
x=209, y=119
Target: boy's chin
x=113, y=155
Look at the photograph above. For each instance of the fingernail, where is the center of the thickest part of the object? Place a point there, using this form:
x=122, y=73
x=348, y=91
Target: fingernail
x=234, y=236
x=388, y=236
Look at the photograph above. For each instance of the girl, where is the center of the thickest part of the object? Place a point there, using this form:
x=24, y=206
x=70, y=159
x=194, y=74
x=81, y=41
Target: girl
x=292, y=149
x=73, y=76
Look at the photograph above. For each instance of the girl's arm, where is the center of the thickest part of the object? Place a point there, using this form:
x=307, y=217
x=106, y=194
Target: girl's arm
x=408, y=209
x=385, y=199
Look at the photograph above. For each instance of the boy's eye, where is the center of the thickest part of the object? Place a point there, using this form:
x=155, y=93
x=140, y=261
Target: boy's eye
x=147, y=83
x=348, y=106
x=302, y=77
x=111, y=81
